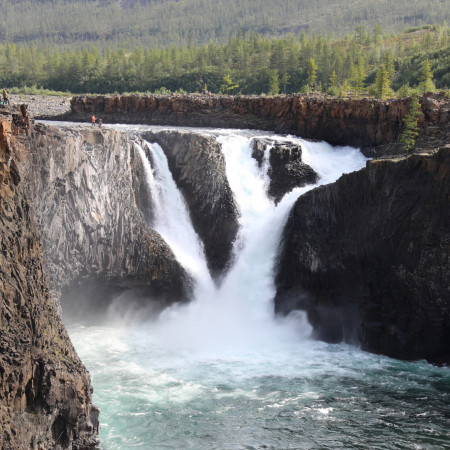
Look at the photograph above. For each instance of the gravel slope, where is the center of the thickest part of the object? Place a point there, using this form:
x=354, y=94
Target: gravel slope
x=42, y=106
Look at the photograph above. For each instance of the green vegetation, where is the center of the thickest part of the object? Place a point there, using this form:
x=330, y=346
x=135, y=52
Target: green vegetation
x=362, y=63
x=411, y=130
x=426, y=78
x=164, y=23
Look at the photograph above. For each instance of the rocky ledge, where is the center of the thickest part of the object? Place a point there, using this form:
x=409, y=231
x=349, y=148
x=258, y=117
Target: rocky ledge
x=45, y=391
x=368, y=258
x=371, y=124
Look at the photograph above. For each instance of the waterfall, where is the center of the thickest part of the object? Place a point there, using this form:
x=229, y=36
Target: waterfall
x=221, y=371
x=239, y=313
x=171, y=216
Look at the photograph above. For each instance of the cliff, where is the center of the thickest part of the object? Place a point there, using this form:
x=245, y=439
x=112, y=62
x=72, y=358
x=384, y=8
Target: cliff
x=85, y=185
x=368, y=258
x=366, y=123
x=45, y=391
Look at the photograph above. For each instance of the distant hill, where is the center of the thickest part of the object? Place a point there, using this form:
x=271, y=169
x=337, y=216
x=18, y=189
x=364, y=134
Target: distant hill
x=163, y=23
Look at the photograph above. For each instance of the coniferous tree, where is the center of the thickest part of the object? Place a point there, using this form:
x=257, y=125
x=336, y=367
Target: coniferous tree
x=312, y=73
x=382, y=83
x=285, y=81
x=274, y=83
x=411, y=131
x=426, y=78
x=228, y=86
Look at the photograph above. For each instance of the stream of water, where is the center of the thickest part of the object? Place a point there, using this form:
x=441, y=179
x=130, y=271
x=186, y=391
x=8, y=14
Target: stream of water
x=222, y=372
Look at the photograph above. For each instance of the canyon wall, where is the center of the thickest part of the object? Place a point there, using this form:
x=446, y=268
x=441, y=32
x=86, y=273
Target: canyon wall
x=368, y=258
x=45, y=391
x=85, y=185
x=365, y=123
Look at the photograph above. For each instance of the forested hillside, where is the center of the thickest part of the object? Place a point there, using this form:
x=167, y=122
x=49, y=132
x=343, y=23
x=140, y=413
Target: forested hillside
x=163, y=23
x=364, y=62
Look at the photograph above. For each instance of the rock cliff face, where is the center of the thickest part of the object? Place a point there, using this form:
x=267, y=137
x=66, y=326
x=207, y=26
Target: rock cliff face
x=85, y=185
x=45, y=391
x=360, y=122
x=369, y=258
x=286, y=168
x=198, y=167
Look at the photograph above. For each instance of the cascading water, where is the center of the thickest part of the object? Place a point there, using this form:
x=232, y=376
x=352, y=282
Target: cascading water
x=222, y=372
x=172, y=217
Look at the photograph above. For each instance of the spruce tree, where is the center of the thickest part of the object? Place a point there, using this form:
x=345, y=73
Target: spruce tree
x=382, y=83
x=312, y=73
x=426, y=78
x=285, y=81
x=274, y=83
x=411, y=130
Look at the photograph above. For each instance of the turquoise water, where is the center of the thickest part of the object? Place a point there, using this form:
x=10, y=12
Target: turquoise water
x=306, y=395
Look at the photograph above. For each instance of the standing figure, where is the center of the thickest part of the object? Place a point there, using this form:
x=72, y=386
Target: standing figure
x=93, y=118
x=5, y=97
x=100, y=122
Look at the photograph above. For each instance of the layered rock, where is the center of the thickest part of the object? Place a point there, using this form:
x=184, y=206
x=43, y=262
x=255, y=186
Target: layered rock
x=45, y=391
x=358, y=122
x=368, y=258
x=286, y=169
x=84, y=183
x=198, y=167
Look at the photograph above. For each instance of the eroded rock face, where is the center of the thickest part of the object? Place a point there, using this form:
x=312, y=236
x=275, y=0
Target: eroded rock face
x=365, y=123
x=368, y=258
x=84, y=189
x=286, y=168
x=198, y=167
x=45, y=391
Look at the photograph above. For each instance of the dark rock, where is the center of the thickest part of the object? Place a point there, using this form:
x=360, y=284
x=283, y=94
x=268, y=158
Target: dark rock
x=366, y=123
x=286, y=168
x=368, y=258
x=198, y=167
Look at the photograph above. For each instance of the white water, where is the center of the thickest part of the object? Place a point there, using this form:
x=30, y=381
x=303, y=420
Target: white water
x=239, y=314
x=172, y=217
x=223, y=373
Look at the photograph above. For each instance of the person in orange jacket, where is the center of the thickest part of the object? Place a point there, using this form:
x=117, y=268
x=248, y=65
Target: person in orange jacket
x=93, y=118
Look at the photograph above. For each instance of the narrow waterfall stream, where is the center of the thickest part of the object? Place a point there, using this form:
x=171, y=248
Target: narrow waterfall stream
x=222, y=372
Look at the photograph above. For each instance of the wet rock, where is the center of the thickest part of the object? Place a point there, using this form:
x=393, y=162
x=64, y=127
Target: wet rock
x=286, y=169
x=198, y=167
x=367, y=257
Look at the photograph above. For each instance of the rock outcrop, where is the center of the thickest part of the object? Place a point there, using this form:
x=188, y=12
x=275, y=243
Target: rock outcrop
x=365, y=123
x=83, y=187
x=286, y=169
x=198, y=167
x=368, y=258
x=45, y=391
